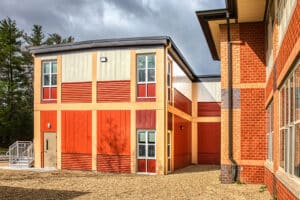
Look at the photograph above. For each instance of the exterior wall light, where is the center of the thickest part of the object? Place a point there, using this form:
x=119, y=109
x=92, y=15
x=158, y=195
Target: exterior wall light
x=49, y=125
x=181, y=127
x=103, y=59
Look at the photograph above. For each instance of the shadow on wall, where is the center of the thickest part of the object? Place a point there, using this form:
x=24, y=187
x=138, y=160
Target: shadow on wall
x=30, y=193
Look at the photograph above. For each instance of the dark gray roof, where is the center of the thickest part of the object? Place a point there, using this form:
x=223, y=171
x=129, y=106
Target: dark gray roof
x=103, y=43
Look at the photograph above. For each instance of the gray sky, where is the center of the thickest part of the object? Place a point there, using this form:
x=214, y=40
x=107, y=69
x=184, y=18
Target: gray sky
x=99, y=19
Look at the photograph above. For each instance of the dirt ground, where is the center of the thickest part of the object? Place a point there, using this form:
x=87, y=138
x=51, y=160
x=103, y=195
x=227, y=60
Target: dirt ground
x=193, y=182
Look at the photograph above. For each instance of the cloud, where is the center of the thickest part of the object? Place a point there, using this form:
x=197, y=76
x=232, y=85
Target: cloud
x=93, y=19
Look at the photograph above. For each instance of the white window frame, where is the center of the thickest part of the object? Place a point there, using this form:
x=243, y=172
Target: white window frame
x=270, y=132
x=146, y=82
x=270, y=27
x=146, y=144
x=288, y=126
x=50, y=62
x=285, y=10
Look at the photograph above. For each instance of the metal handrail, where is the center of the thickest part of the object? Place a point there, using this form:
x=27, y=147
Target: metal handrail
x=21, y=153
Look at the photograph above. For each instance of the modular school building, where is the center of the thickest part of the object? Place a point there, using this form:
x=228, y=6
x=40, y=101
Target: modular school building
x=134, y=105
x=123, y=105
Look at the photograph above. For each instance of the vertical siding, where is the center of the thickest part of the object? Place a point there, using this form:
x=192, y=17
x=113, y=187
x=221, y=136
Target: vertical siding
x=182, y=143
x=207, y=109
x=76, y=140
x=209, y=91
x=146, y=119
x=47, y=117
x=76, y=132
x=113, y=141
x=209, y=143
x=170, y=121
x=77, y=67
x=76, y=92
x=113, y=91
x=117, y=66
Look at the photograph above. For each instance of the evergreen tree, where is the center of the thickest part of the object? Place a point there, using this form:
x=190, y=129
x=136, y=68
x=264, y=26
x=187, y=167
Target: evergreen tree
x=37, y=36
x=15, y=112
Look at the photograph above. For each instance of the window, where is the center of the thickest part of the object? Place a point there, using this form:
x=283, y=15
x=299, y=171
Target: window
x=49, y=80
x=146, y=144
x=169, y=82
x=289, y=155
x=270, y=132
x=146, y=76
x=285, y=11
x=269, y=35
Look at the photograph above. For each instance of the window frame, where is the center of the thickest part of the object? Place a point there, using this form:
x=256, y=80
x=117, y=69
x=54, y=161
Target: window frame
x=289, y=124
x=169, y=81
x=146, y=68
x=50, y=62
x=270, y=131
x=146, y=144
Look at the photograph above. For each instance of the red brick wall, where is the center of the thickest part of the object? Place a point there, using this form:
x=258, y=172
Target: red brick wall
x=269, y=180
x=252, y=174
x=290, y=38
x=253, y=124
x=283, y=193
x=269, y=86
x=252, y=53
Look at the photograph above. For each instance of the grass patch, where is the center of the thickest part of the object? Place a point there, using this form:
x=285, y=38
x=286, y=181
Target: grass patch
x=3, y=150
x=239, y=182
x=262, y=188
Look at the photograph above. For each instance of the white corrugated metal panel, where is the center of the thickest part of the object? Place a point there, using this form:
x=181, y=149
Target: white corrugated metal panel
x=181, y=82
x=77, y=67
x=117, y=66
x=209, y=91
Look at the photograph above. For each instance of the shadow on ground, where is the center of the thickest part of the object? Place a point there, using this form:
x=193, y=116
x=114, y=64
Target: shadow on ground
x=24, y=193
x=197, y=168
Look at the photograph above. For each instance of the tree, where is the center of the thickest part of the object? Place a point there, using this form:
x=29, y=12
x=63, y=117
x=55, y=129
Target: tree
x=55, y=38
x=37, y=36
x=15, y=110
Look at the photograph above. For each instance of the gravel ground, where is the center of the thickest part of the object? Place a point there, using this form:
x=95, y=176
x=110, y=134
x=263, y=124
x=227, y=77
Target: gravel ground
x=193, y=182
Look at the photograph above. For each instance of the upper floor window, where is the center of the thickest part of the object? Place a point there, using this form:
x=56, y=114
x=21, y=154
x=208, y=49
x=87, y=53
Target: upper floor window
x=285, y=11
x=290, y=124
x=269, y=39
x=49, y=80
x=270, y=132
x=146, y=72
x=169, y=81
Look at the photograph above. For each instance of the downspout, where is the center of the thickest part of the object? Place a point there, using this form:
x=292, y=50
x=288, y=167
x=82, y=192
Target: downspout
x=230, y=103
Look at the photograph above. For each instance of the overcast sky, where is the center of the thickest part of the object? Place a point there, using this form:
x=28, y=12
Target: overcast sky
x=100, y=19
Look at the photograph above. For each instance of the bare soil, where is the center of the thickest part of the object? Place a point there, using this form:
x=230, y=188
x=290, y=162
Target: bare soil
x=193, y=182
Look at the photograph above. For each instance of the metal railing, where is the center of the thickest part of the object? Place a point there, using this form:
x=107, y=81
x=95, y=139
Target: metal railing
x=21, y=154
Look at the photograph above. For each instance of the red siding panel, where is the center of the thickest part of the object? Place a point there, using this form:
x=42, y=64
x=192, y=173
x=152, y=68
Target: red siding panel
x=182, y=143
x=76, y=161
x=182, y=102
x=141, y=165
x=76, y=132
x=149, y=95
x=46, y=94
x=45, y=118
x=145, y=119
x=113, y=141
x=113, y=132
x=209, y=143
x=113, y=91
x=208, y=109
x=151, y=165
x=151, y=90
x=80, y=92
x=113, y=163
